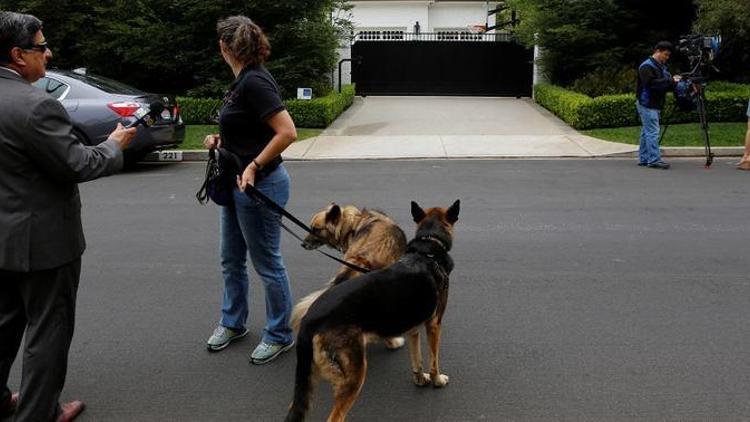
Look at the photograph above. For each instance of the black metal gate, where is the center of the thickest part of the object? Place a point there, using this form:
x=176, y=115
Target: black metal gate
x=472, y=68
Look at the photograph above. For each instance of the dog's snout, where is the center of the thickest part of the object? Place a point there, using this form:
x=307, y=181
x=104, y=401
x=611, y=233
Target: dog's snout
x=310, y=244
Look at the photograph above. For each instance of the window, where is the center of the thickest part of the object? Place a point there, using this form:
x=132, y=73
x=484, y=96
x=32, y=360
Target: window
x=107, y=85
x=458, y=34
x=381, y=34
x=52, y=87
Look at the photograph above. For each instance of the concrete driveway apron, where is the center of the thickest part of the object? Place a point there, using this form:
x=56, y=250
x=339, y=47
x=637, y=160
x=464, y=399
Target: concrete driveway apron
x=449, y=127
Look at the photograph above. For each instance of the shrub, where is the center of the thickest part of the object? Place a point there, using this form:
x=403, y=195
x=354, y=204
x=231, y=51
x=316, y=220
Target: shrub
x=320, y=112
x=198, y=111
x=316, y=113
x=606, y=81
x=725, y=102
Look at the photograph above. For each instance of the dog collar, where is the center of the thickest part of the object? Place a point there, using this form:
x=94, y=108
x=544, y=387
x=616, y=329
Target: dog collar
x=435, y=240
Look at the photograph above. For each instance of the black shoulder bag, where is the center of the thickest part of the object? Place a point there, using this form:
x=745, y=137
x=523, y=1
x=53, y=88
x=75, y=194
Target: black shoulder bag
x=220, y=179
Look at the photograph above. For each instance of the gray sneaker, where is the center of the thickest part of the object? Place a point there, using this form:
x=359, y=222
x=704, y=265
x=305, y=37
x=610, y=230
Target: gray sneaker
x=222, y=336
x=265, y=352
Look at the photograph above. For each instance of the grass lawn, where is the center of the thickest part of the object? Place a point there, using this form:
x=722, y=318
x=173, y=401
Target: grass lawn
x=194, y=135
x=682, y=135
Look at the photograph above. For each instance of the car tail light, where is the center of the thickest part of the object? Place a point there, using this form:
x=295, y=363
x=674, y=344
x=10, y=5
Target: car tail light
x=125, y=108
x=175, y=111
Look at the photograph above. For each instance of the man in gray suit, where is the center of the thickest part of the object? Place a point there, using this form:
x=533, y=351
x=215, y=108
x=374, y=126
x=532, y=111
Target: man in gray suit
x=41, y=237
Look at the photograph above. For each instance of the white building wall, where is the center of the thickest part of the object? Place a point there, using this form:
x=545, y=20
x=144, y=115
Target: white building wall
x=457, y=15
x=390, y=14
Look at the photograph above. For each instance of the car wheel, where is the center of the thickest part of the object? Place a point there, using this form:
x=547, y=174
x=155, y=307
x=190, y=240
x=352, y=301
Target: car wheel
x=131, y=157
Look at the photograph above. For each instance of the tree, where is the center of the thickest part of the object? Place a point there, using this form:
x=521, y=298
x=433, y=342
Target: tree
x=171, y=46
x=731, y=19
x=599, y=37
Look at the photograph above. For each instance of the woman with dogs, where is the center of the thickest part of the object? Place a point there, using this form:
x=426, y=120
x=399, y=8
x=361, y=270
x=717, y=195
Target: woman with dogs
x=256, y=128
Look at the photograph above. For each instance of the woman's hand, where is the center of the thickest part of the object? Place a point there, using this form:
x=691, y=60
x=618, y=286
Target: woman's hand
x=247, y=178
x=212, y=141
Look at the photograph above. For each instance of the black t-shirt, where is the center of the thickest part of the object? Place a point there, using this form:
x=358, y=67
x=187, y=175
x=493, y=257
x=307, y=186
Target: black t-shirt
x=251, y=100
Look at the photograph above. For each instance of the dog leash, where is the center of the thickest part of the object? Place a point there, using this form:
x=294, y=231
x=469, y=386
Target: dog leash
x=251, y=190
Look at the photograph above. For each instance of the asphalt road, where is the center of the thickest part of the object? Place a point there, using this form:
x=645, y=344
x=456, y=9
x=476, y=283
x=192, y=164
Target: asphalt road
x=583, y=290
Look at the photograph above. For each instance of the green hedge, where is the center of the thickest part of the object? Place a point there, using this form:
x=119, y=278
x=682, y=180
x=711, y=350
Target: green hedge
x=726, y=102
x=320, y=112
x=198, y=111
x=315, y=113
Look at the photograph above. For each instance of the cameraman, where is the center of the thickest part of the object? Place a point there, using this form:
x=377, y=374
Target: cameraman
x=654, y=81
x=744, y=164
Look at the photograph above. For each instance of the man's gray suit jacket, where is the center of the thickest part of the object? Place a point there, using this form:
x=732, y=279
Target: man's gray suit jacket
x=41, y=164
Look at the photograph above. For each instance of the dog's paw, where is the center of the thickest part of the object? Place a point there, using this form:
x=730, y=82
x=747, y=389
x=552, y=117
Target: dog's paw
x=440, y=381
x=422, y=378
x=394, y=343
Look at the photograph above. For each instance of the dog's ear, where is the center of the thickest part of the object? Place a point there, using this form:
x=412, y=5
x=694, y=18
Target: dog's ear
x=452, y=213
x=333, y=214
x=417, y=212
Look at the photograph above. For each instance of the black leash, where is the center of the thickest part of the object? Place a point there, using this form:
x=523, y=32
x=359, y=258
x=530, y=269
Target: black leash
x=251, y=190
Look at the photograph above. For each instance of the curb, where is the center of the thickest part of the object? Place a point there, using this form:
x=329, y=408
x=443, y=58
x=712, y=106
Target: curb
x=701, y=151
x=202, y=155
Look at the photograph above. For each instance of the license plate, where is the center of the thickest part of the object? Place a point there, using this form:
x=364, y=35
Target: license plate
x=170, y=155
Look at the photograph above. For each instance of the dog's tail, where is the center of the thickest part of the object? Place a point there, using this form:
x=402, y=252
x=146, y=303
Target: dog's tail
x=303, y=376
x=300, y=309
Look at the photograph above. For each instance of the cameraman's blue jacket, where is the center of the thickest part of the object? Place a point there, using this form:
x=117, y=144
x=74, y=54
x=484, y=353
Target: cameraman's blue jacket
x=654, y=81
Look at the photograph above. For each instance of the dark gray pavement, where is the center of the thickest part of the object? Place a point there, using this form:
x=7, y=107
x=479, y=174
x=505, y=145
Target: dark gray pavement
x=583, y=290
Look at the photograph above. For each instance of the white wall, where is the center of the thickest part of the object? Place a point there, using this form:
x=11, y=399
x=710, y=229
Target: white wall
x=457, y=15
x=430, y=15
x=346, y=67
x=390, y=14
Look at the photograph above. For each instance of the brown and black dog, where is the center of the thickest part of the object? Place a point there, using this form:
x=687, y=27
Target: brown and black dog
x=388, y=302
x=367, y=238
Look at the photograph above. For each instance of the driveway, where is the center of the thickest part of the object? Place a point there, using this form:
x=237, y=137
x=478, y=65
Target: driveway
x=397, y=116
x=449, y=127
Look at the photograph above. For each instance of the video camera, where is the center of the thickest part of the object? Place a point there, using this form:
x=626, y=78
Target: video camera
x=699, y=47
x=701, y=51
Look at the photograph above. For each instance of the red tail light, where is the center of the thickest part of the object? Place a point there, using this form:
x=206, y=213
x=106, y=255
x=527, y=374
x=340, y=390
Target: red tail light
x=175, y=111
x=125, y=108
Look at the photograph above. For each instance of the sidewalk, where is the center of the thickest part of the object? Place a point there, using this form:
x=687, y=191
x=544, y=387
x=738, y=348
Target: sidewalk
x=452, y=147
x=326, y=147
x=451, y=128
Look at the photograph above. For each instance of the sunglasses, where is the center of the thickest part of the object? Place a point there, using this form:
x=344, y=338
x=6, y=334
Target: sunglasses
x=41, y=47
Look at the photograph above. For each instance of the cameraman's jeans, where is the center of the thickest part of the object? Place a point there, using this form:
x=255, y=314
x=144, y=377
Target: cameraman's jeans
x=247, y=226
x=648, y=149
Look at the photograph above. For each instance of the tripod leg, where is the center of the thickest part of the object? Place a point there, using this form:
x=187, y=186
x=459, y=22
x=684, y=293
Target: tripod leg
x=663, y=133
x=703, y=116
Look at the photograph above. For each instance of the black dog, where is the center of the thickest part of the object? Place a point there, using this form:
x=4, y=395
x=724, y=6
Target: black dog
x=386, y=303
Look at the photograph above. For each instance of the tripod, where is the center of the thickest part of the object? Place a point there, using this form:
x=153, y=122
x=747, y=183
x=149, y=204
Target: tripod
x=699, y=87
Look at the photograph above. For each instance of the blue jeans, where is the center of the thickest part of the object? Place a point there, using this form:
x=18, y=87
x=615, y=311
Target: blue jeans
x=648, y=149
x=247, y=226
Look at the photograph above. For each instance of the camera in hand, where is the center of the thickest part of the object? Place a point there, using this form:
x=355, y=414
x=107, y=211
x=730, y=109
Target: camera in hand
x=147, y=115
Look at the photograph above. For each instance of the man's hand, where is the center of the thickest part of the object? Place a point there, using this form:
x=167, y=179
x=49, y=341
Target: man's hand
x=212, y=141
x=122, y=136
x=677, y=78
x=248, y=177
